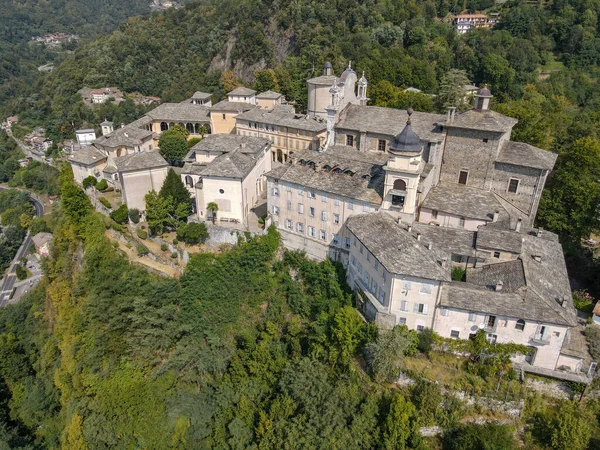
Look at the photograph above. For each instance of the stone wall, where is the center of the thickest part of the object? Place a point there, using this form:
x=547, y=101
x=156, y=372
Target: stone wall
x=529, y=185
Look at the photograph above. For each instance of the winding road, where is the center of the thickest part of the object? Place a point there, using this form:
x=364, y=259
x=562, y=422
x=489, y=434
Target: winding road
x=11, y=276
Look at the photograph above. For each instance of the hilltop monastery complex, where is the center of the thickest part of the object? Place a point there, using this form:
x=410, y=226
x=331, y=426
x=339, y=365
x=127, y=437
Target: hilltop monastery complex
x=399, y=197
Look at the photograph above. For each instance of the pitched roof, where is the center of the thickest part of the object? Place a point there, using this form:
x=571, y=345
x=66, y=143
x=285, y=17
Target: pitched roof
x=270, y=95
x=227, y=106
x=483, y=121
x=129, y=136
x=242, y=91
x=87, y=155
x=234, y=164
x=455, y=241
x=520, y=154
x=140, y=161
x=365, y=183
x=180, y=112
x=284, y=117
x=225, y=143
x=323, y=80
x=463, y=201
x=394, y=248
x=390, y=121
x=407, y=141
x=200, y=95
x=498, y=239
x=509, y=273
x=41, y=238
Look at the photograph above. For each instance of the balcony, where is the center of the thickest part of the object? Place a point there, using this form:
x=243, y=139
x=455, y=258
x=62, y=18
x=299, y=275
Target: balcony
x=539, y=339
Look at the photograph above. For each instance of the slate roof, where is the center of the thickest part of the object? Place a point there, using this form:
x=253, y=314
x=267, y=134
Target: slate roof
x=520, y=154
x=366, y=183
x=140, y=161
x=497, y=239
x=41, y=238
x=234, y=164
x=407, y=141
x=180, y=112
x=483, y=121
x=396, y=249
x=110, y=169
x=85, y=131
x=87, y=155
x=510, y=273
x=463, y=201
x=129, y=136
x=269, y=95
x=227, y=106
x=106, y=123
x=200, y=95
x=242, y=91
x=285, y=118
x=456, y=241
x=390, y=121
x=323, y=80
x=225, y=143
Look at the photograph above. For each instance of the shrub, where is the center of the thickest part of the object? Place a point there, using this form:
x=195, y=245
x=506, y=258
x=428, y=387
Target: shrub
x=89, y=181
x=426, y=340
x=102, y=185
x=142, y=250
x=175, y=242
x=105, y=202
x=427, y=397
x=174, y=255
x=583, y=301
x=120, y=215
x=476, y=437
x=592, y=333
x=142, y=234
x=21, y=272
x=115, y=226
x=192, y=233
x=458, y=274
x=164, y=247
x=134, y=215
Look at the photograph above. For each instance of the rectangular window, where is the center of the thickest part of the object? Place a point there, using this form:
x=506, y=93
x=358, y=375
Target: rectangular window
x=223, y=116
x=350, y=205
x=381, y=145
x=373, y=286
x=355, y=242
x=461, y=222
x=300, y=208
x=336, y=219
x=289, y=205
x=445, y=312
x=404, y=305
x=513, y=185
x=485, y=140
x=276, y=191
x=350, y=140
x=406, y=285
x=369, y=256
x=425, y=288
x=353, y=260
x=347, y=242
x=288, y=224
x=359, y=268
x=454, y=334
x=336, y=201
x=311, y=211
x=381, y=296
x=362, y=249
x=324, y=216
x=322, y=235
x=434, y=214
x=420, y=327
x=336, y=239
x=496, y=254
x=276, y=210
x=384, y=274
x=376, y=265
x=311, y=194
x=420, y=308
x=366, y=279
x=300, y=228
x=463, y=176
x=312, y=232
x=472, y=317
x=401, y=320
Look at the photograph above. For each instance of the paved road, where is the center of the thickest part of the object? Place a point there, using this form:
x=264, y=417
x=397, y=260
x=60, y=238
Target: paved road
x=11, y=276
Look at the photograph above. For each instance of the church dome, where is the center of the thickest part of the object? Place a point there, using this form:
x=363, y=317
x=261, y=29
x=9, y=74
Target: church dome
x=407, y=141
x=484, y=92
x=328, y=65
x=346, y=73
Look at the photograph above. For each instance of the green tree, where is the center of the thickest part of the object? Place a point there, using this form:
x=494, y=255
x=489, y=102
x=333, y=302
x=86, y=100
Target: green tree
x=570, y=427
x=157, y=212
x=38, y=225
x=399, y=424
x=452, y=92
x=385, y=356
x=347, y=333
x=172, y=144
x=102, y=185
x=173, y=187
x=212, y=207
x=21, y=272
x=480, y=437
x=265, y=80
x=134, y=215
x=192, y=233
x=89, y=181
x=120, y=215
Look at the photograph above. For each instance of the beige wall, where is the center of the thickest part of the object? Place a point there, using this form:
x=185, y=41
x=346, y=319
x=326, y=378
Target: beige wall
x=136, y=185
x=220, y=125
x=318, y=99
x=337, y=209
x=547, y=355
x=230, y=200
x=449, y=220
x=81, y=172
x=267, y=103
x=251, y=99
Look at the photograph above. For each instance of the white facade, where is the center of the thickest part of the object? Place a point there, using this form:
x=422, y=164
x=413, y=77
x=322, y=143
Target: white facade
x=85, y=137
x=136, y=184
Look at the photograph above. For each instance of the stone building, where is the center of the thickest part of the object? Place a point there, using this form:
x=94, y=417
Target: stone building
x=138, y=174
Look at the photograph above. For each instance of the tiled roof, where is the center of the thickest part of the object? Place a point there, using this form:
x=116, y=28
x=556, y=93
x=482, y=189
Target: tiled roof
x=482, y=120
x=317, y=170
x=390, y=121
x=242, y=91
x=140, y=161
x=234, y=164
x=270, y=95
x=225, y=143
x=87, y=155
x=396, y=250
x=520, y=154
x=509, y=273
x=456, y=241
x=41, y=238
x=323, y=80
x=180, y=112
x=200, y=95
x=498, y=239
x=129, y=136
x=285, y=118
x=464, y=201
x=227, y=106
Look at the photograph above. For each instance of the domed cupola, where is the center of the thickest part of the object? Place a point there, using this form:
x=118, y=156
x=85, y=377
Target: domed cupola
x=407, y=141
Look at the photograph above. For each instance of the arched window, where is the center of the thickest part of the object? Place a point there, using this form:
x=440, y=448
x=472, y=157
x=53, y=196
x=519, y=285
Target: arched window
x=188, y=181
x=190, y=127
x=520, y=326
x=164, y=126
x=400, y=185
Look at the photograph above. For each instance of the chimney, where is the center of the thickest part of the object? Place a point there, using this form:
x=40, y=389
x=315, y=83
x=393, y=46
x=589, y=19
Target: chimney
x=518, y=227
x=499, y=285
x=540, y=232
x=429, y=246
x=444, y=262
x=450, y=115
x=243, y=145
x=538, y=258
x=565, y=301
x=409, y=228
x=495, y=216
x=418, y=236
